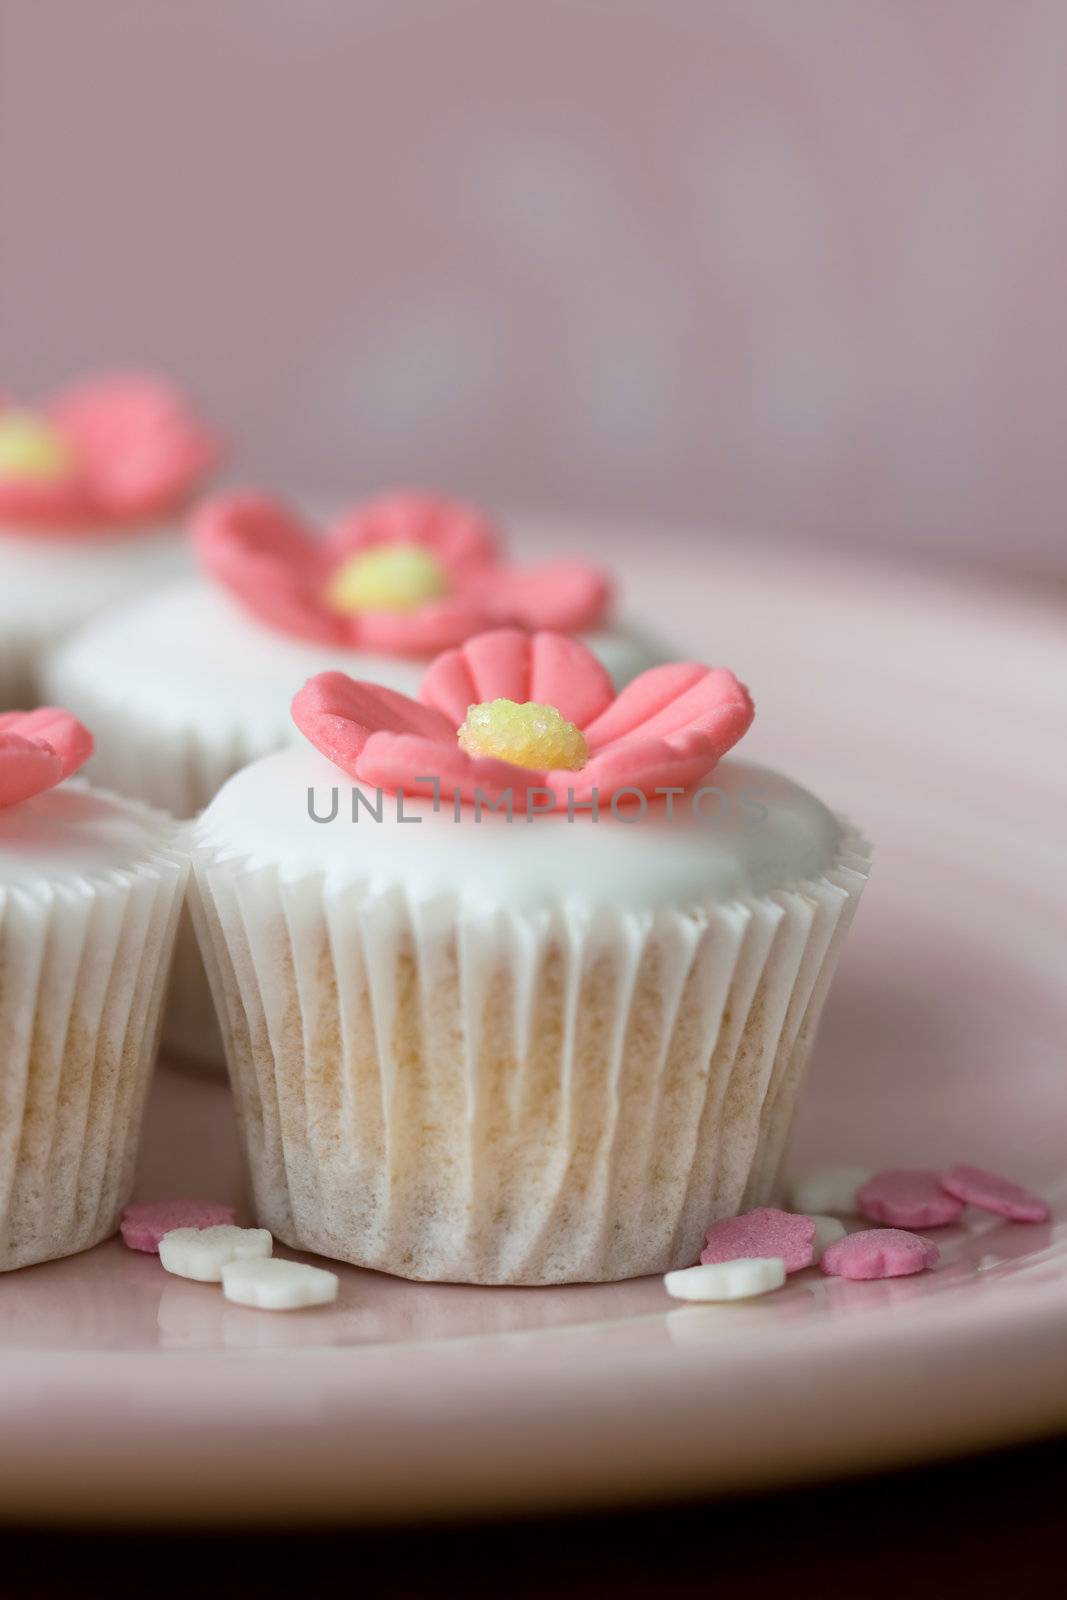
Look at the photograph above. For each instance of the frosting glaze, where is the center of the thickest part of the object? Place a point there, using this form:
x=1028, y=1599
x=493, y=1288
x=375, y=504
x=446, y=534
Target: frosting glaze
x=45, y=580
x=174, y=650
x=74, y=833
x=46, y=589
x=767, y=833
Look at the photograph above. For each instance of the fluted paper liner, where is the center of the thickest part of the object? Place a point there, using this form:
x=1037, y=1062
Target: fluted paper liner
x=83, y=968
x=505, y=1097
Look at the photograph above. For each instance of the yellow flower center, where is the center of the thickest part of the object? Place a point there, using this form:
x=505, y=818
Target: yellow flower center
x=31, y=448
x=388, y=577
x=527, y=735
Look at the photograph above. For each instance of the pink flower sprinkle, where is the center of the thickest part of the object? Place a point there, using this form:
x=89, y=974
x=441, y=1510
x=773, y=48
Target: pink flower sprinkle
x=144, y=1224
x=908, y=1199
x=879, y=1253
x=762, y=1232
x=974, y=1187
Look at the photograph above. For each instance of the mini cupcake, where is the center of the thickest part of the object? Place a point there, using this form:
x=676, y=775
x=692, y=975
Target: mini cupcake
x=90, y=890
x=518, y=981
x=90, y=489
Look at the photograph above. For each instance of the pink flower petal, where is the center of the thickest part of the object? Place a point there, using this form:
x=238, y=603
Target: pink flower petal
x=27, y=767
x=680, y=697
x=461, y=536
x=975, y=1187
x=139, y=448
x=509, y=664
x=644, y=764
x=449, y=685
x=644, y=698
x=38, y=749
x=879, y=1253
x=338, y=714
x=763, y=1232
x=499, y=663
x=62, y=509
x=68, y=738
x=437, y=625
x=565, y=596
x=566, y=674
x=908, y=1199
x=269, y=562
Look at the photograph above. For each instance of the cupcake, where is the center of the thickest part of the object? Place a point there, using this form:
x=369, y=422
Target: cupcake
x=518, y=980
x=90, y=889
x=186, y=686
x=91, y=486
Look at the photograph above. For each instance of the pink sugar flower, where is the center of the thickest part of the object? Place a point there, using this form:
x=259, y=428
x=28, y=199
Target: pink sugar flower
x=404, y=574
x=101, y=457
x=38, y=749
x=668, y=728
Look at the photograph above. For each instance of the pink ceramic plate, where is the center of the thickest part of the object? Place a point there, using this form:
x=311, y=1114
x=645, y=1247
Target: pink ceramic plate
x=933, y=716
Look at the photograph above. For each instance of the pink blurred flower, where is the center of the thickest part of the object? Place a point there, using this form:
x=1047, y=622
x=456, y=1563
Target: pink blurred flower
x=132, y=450
x=281, y=572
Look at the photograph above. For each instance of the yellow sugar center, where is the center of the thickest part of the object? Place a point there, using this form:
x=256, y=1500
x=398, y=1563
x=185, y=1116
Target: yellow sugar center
x=527, y=735
x=31, y=448
x=388, y=577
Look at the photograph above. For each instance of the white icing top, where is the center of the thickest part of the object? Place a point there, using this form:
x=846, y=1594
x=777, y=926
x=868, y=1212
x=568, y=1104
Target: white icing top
x=189, y=654
x=51, y=582
x=75, y=832
x=766, y=833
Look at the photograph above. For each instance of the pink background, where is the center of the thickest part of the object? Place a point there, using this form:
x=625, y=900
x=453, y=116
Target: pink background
x=787, y=267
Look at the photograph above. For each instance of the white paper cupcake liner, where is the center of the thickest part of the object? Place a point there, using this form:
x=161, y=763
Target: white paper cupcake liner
x=513, y=1098
x=83, y=968
x=177, y=766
